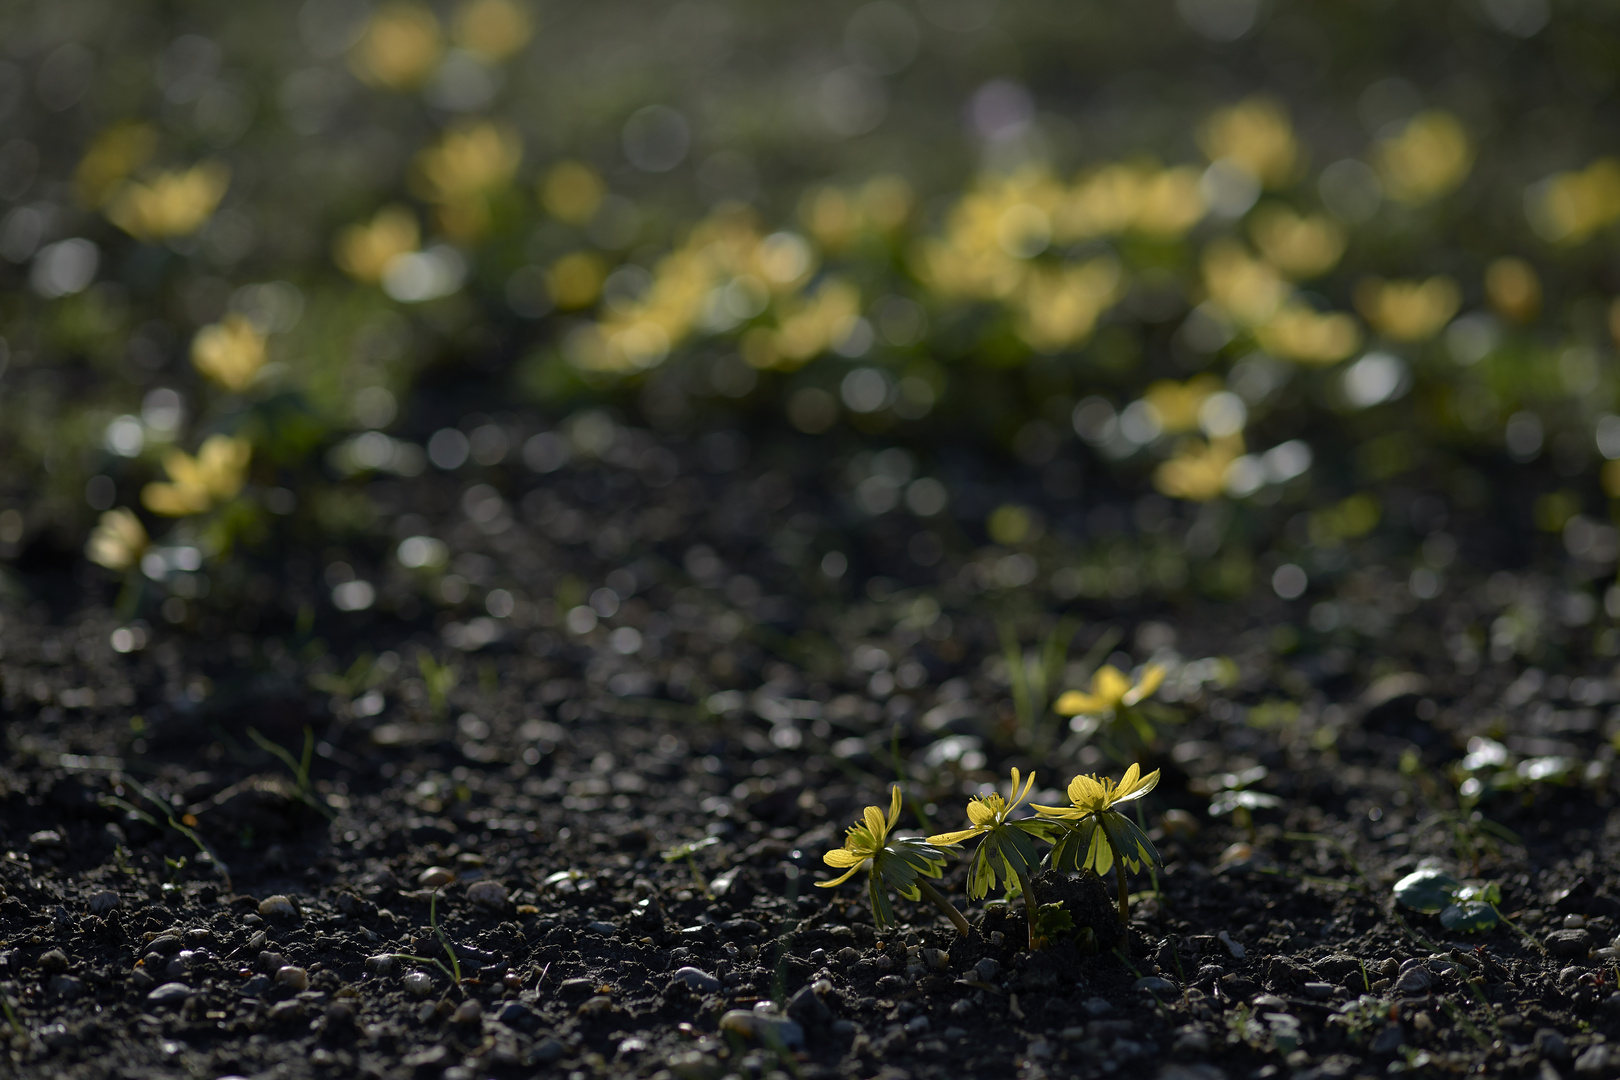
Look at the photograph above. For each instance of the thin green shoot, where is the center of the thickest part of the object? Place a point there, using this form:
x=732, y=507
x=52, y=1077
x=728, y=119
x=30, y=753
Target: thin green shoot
x=444, y=940
x=900, y=778
x=687, y=852
x=299, y=766
x=178, y=826
x=439, y=679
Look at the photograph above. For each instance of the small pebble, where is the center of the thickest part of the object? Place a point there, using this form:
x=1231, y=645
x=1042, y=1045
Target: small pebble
x=1319, y=991
x=52, y=961
x=45, y=838
x=936, y=959
x=419, y=984
x=295, y=977
x=271, y=961
x=1153, y=984
x=383, y=965
x=435, y=877
x=468, y=1012
x=1414, y=980
x=165, y=944
x=102, y=901
x=1569, y=944
x=488, y=894
x=770, y=1030
x=278, y=907
x=1237, y=952
x=698, y=980
x=1574, y=922
x=171, y=993
x=987, y=969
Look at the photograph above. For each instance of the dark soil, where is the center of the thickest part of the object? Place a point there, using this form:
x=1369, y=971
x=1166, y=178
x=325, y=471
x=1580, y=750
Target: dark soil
x=763, y=703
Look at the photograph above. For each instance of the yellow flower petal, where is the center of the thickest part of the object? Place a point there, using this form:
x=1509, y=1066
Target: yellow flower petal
x=1139, y=788
x=952, y=838
x=837, y=880
x=1152, y=677
x=874, y=824
x=1110, y=684
x=1101, y=856
x=896, y=800
x=843, y=857
x=1057, y=811
x=1085, y=791
x=1077, y=703
x=982, y=812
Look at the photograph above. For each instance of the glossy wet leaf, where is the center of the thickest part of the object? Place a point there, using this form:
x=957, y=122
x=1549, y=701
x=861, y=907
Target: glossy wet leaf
x=1469, y=916
x=1427, y=890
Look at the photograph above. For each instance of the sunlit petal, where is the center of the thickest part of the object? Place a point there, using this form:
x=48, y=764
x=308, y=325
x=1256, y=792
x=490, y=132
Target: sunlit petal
x=1152, y=677
x=874, y=825
x=896, y=800
x=1079, y=703
x=838, y=880
x=982, y=811
x=1110, y=684
x=953, y=838
x=843, y=857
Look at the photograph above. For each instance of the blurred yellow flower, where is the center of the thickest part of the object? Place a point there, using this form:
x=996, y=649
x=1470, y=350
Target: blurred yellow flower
x=216, y=474
x=1254, y=135
x=400, y=47
x=364, y=251
x=1175, y=405
x=171, y=204
x=1057, y=308
x=1513, y=289
x=230, y=352
x=1247, y=289
x=493, y=29
x=809, y=326
x=572, y=191
x=1408, y=310
x=1429, y=157
x=1299, y=246
x=113, y=154
x=467, y=166
x=1198, y=471
x=575, y=280
x=1296, y=332
x=1171, y=204
x=119, y=540
x=838, y=217
x=1111, y=689
x=1568, y=207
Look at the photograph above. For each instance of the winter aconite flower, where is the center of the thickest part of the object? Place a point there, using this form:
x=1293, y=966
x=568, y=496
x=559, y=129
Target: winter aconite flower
x=198, y=483
x=230, y=352
x=119, y=540
x=1006, y=851
x=1096, y=834
x=901, y=863
x=1111, y=689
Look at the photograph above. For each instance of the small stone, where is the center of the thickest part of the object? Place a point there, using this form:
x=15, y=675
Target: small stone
x=165, y=944
x=419, y=984
x=141, y=979
x=936, y=959
x=271, y=962
x=490, y=895
x=1318, y=991
x=1414, y=980
x=1594, y=1061
x=606, y=929
x=468, y=1012
x=1569, y=944
x=435, y=877
x=52, y=961
x=1096, y=1007
x=172, y=993
x=548, y=1051
x=1551, y=1045
x=383, y=965
x=285, y=1012
x=257, y=986
x=1153, y=984
x=1574, y=922
x=807, y=1007
x=278, y=907
x=66, y=986
x=847, y=956
x=1237, y=952
x=295, y=977
x=764, y=1028
x=45, y=838
x=515, y=1014
x=694, y=1065
x=1388, y=1040
x=698, y=979
x=1340, y=968
x=102, y=901
x=987, y=970
x=1192, y=1042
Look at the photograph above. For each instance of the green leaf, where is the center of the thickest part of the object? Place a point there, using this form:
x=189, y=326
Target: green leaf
x=1469, y=916
x=1427, y=890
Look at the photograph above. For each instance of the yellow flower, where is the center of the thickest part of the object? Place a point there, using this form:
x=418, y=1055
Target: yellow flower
x=1110, y=689
x=1299, y=246
x=1247, y=289
x=1176, y=405
x=494, y=29
x=1513, y=289
x=1568, y=207
x=364, y=251
x=987, y=812
x=572, y=192
x=463, y=170
x=1408, y=310
x=1429, y=157
x=230, y=352
x=1254, y=135
x=216, y=474
x=400, y=47
x=1058, y=308
x=1199, y=469
x=863, y=841
x=1296, y=332
x=112, y=156
x=171, y=204
x=1102, y=832
x=119, y=540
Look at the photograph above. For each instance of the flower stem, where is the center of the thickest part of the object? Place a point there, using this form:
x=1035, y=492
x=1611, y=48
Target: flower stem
x=932, y=895
x=1030, y=906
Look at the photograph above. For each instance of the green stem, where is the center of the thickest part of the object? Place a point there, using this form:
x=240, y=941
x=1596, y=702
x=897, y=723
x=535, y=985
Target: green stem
x=1030, y=906
x=932, y=895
